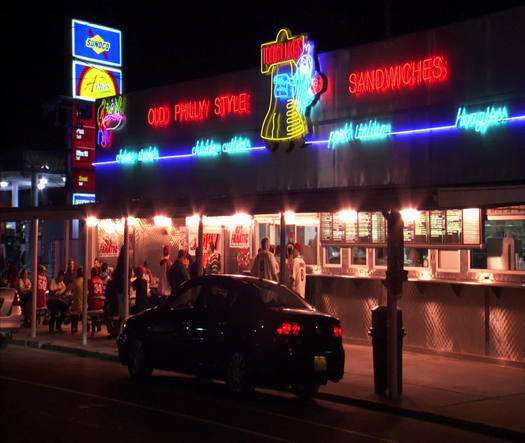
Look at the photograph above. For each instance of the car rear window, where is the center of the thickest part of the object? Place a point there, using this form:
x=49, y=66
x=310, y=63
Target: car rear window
x=274, y=296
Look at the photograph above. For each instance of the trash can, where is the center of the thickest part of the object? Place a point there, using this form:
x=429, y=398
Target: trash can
x=378, y=332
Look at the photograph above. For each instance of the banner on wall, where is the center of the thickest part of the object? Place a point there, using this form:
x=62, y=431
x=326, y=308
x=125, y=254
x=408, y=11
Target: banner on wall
x=240, y=237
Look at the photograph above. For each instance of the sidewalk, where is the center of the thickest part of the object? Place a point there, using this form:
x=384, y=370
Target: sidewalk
x=482, y=396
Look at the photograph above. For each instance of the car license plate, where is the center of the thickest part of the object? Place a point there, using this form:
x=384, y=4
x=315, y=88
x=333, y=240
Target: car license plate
x=320, y=364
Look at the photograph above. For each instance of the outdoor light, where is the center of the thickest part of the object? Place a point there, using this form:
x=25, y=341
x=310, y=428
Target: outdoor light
x=43, y=180
x=410, y=215
x=240, y=218
x=132, y=221
x=3, y=184
x=41, y=186
x=289, y=217
x=161, y=221
x=348, y=216
x=91, y=222
x=193, y=220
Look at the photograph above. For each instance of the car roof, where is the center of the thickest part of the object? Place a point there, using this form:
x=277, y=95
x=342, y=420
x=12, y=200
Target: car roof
x=234, y=277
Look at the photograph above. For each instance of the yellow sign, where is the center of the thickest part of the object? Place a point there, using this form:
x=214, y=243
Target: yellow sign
x=97, y=83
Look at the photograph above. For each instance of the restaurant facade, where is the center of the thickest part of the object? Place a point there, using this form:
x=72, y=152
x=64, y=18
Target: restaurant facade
x=318, y=148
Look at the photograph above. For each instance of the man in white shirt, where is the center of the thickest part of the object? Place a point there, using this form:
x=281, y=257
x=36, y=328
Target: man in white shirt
x=298, y=277
x=264, y=264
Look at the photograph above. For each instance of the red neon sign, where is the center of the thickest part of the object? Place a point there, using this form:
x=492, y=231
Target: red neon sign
x=406, y=75
x=232, y=104
x=199, y=110
x=159, y=116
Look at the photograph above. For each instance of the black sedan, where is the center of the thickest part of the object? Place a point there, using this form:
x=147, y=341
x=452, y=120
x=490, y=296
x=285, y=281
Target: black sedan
x=248, y=331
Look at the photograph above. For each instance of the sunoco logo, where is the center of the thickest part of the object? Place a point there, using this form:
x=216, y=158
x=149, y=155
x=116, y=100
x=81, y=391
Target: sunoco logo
x=98, y=44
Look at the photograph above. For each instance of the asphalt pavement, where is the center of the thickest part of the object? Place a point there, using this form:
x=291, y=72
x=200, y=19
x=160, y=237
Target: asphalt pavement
x=56, y=397
x=481, y=396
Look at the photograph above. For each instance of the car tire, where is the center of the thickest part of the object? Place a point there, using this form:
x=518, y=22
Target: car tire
x=306, y=390
x=239, y=376
x=138, y=366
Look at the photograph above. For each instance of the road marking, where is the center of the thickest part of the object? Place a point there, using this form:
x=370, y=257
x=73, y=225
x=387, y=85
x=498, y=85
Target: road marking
x=149, y=408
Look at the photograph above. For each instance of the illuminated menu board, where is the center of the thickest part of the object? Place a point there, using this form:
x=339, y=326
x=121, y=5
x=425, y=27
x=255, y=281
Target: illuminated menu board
x=450, y=228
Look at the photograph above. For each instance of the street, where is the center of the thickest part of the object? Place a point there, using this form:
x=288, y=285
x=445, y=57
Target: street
x=54, y=397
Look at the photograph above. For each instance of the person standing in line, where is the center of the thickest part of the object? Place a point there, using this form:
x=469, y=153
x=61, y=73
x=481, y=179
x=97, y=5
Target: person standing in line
x=298, y=277
x=70, y=273
x=95, y=290
x=289, y=265
x=140, y=285
x=264, y=264
x=179, y=271
x=57, y=302
x=77, y=299
x=165, y=266
x=104, y=274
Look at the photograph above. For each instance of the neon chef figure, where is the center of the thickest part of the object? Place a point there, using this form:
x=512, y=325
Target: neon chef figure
x=289, y=61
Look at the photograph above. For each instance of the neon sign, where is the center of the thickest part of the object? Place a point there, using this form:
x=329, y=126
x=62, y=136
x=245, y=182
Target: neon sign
x=159, y=116
x=199, y=110
x=370, y=130
x=402, y=76
x=295, y=85
x=104, y=138
x=144, y=155
x=480, y=121
x=202, y=148
x=110, y=114
x=210, y=147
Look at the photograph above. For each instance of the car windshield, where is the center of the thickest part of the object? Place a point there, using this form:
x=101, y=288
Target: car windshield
x=275, y=296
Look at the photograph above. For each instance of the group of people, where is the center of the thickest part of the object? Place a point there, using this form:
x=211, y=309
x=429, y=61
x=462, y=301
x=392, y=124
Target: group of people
x=265, y=265
x=185, y=267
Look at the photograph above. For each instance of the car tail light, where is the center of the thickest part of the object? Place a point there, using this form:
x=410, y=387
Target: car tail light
x=16, y=300
x=288, y=328
x=338, y=331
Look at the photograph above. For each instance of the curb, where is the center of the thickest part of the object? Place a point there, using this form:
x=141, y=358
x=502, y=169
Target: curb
x=471, y=426
x=50, y=346
x=480, y=428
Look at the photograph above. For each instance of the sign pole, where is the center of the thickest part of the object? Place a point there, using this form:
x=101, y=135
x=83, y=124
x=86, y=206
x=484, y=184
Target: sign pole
x=395, y=276
x=87, y=273
x=35, y=278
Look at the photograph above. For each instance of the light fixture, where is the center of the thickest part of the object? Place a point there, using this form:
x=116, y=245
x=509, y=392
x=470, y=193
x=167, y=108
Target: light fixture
x=91, y=222
x=161, y=221
x=348, y=215
x=193, y=220
x=240, y=218
x=4, y=184
x=41, y=186
x=410, y=215
x=289, y=217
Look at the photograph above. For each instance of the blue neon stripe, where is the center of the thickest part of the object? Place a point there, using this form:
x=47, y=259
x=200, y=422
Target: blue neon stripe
x=310, y=142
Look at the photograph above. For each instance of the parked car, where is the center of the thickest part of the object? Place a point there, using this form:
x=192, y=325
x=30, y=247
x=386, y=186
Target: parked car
x=10, y=315
x=248, y=331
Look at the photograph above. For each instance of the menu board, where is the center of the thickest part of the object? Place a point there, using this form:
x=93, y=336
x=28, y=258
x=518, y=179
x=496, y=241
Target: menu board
x=364, y=227
x=338, y=229
x=437, y=227
x=450, y=228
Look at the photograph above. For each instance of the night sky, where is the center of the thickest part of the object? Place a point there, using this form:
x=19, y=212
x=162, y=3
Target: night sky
x=164, y=44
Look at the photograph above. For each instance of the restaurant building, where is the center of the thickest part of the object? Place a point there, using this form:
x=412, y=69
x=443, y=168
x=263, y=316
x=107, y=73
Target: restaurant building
x=432, y=124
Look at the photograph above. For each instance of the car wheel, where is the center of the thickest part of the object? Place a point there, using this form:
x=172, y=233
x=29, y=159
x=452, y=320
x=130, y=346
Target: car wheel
x=239, y=379
x=138, y=366
x=306, y=390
